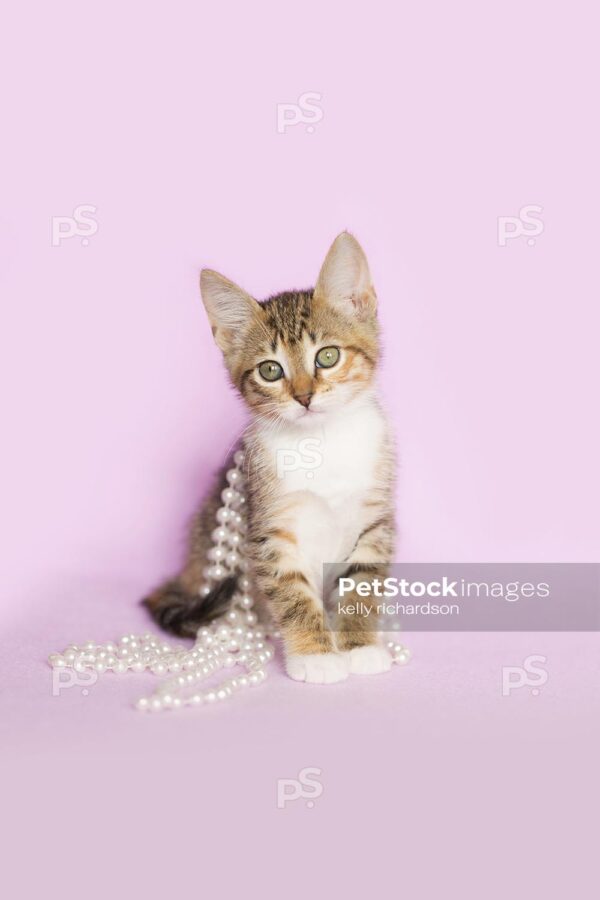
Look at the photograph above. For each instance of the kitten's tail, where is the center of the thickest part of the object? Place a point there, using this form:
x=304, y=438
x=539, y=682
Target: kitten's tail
x=177, y=610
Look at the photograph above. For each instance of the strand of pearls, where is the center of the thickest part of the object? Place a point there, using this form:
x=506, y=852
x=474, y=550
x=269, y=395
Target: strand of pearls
x=234, y=639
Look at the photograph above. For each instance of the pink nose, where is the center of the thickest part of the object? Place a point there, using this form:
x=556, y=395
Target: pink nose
x=304, y=399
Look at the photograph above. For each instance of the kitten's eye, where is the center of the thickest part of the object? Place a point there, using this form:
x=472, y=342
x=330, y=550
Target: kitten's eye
x=270, y=370
x=327, y=357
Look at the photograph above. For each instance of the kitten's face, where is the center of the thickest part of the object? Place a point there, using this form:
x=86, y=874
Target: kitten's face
x=302, y=359
x=303, y=354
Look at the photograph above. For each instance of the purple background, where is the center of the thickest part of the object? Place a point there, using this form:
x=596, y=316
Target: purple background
x=437, y=119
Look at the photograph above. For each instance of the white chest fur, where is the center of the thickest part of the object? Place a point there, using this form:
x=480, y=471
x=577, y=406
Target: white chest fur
x=326, y=470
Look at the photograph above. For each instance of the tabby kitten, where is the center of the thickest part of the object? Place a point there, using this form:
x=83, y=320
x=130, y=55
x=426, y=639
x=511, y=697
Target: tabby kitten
x=319, y=465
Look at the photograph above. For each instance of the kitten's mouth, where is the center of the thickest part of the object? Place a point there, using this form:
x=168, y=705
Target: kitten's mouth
x=302, y=415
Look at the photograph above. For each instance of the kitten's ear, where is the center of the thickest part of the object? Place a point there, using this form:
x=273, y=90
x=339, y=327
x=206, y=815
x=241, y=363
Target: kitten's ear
x=230, y=309
x=345, y=281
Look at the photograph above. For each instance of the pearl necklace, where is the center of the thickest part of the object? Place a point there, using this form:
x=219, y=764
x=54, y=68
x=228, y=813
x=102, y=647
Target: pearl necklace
x=234, y=639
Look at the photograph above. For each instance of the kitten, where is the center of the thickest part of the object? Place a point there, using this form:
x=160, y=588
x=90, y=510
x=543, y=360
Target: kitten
x=319, y=465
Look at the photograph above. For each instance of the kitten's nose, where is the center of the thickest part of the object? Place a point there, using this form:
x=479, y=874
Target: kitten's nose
x=304, y=399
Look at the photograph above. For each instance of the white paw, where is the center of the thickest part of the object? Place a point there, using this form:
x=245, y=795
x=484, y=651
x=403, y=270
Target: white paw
x=369, y=660
x=318, y=668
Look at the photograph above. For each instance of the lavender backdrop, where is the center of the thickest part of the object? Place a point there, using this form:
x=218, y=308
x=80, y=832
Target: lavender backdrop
x=425, y=124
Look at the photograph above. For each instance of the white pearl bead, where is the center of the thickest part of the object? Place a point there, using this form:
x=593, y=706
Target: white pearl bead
x=143, y=703
x=234, y=477
x=221, y=534
x=238, y=458
x=227, y=495
x=232, y=559
x=216, y=554
x=225, y=515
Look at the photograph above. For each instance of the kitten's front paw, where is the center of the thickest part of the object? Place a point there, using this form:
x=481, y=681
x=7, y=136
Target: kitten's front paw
x=369, y=660
x=318, y=668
